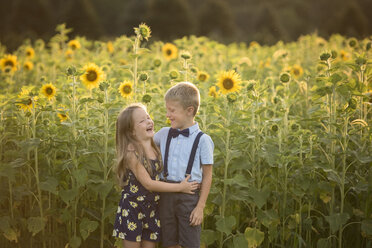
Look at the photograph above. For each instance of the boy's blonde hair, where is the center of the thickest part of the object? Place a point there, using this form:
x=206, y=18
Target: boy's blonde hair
x=186, y=93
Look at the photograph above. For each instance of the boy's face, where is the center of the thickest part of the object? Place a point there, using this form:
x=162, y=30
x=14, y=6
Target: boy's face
x=179, y=117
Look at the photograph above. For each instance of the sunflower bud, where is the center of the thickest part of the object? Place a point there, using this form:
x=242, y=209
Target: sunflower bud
x=251, y=85
x=174, y=74
x=104, y=86
x=143, y=76
x=185, y=55
x=333, y=54
x=143, y=31
x=193, y=69
x=232, y=98
x=325, y=56
x=157, y=62
x=71, y=71
x=352, y=42
x=285, y=77
x=361, y=61
x=295, y=127
x=146, y=98
x=352, y=103
x=369, y=45
x=274, y=128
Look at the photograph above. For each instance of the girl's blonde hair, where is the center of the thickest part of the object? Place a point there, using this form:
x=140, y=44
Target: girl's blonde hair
x=126, y=137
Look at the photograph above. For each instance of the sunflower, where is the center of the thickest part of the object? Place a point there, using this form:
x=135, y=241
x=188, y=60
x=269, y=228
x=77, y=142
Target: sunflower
x=9, y=61
x=110, y=47
x=49, y=91
x=170, y=51
x=213, y=92
x=28, y=65
x=92, y=76
x=68, y=54
x=229, y=81
x=74, y=44
x=26, y=101
x=126, y=88
x=344, y=55
x=62, y=116
x=297, y=71
x=202, y=76
x=30, y=52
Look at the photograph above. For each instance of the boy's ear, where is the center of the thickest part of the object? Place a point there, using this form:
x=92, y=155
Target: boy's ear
x=190, y=110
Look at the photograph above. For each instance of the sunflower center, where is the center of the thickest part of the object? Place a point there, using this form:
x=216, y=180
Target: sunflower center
x=9, y=63
x=168, y=52
x=296, y=72
x=29, y=102
x=91, y=75
x=127, y=89
x=202, y=77
x=28, y=54
x=49, y=91
x=228, y=83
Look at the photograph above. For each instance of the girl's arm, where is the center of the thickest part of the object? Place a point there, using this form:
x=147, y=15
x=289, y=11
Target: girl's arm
x=144, y=178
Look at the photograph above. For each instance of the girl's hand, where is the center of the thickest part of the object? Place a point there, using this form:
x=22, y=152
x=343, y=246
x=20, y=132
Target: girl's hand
x=188, y=187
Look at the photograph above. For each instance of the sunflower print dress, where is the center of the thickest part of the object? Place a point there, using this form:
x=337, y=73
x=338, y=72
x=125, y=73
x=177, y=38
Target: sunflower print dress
x=137, y=216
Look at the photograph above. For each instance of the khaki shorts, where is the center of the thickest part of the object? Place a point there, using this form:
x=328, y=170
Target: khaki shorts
x=175, y=210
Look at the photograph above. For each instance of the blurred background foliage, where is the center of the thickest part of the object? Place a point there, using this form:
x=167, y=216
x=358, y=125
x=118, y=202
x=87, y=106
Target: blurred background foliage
x=264, y=21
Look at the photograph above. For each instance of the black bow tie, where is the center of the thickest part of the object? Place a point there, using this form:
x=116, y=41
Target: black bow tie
x=175, y=132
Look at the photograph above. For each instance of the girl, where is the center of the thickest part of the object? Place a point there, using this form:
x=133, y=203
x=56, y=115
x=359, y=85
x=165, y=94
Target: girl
x=138, y=167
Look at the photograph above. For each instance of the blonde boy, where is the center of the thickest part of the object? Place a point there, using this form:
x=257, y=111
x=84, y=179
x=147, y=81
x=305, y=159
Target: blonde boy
x=185, y=150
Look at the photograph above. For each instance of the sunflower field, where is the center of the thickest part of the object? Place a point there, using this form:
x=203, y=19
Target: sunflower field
x=291, y=124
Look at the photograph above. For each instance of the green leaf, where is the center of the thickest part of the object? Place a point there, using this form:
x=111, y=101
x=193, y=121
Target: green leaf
x=75, y=242
x=104, y=188
x=268, y=218
x=81, y=176
x=86, y=227
x=367, y=227
x=323, y=243
x=254, y=237
x=208, y=237
x=239, y=241
x=225, y=224
x=238, y=179
x=50, y=185
x=335, y=78
x=68, y=195
x=35, y=225
x=336, y=221
x=259, y=197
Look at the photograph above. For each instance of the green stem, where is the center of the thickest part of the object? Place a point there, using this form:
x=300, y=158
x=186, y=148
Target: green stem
x=40, y=201
x=135, y=65
x=226, y=166
x=342, y=186
x=105, y=165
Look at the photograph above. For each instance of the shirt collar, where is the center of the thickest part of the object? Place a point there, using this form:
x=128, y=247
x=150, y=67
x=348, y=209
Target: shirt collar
x=194, y=128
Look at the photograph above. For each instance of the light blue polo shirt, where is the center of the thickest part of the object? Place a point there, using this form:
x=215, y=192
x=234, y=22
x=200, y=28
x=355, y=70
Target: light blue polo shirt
x=179, y=153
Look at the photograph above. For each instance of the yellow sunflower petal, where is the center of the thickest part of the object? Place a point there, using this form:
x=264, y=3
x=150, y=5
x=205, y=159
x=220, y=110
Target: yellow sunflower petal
x=229, y=81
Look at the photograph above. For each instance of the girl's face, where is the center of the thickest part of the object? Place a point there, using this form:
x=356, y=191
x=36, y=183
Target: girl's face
x=143, y=125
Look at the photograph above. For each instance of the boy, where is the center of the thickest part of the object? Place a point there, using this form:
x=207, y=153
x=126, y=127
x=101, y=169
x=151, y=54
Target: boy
x=185, y=151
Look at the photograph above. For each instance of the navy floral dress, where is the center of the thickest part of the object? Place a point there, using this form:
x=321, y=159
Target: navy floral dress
x=137, y=217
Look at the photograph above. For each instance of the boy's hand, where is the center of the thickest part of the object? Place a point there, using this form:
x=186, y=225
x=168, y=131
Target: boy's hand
x=196, y=216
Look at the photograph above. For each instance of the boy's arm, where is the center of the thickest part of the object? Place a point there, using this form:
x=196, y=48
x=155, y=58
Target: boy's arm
x=196, y=216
